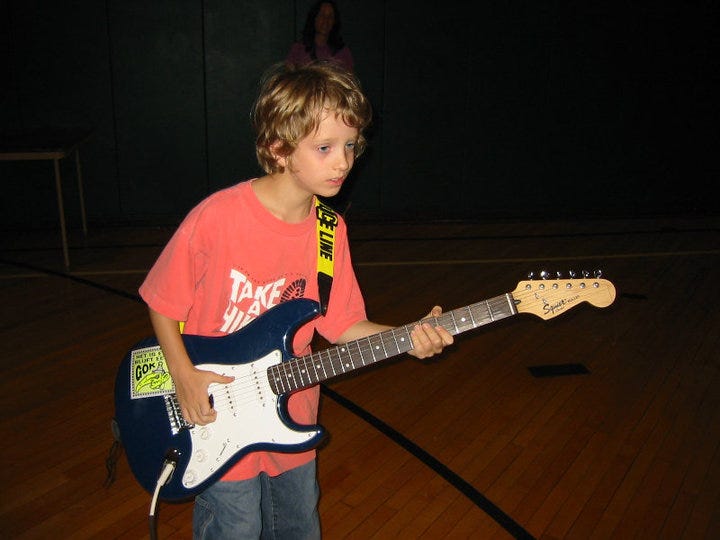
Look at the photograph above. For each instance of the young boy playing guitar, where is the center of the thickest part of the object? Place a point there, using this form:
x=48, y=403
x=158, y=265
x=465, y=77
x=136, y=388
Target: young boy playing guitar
x=253, y=246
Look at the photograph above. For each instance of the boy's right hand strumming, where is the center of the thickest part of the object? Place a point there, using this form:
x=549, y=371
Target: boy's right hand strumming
x=191, y=384
x=191, y=389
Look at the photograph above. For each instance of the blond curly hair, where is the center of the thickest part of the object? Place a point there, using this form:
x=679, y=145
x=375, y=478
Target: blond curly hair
x=291, y=104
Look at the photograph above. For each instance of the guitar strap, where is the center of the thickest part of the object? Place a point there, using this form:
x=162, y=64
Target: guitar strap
x=327, y=221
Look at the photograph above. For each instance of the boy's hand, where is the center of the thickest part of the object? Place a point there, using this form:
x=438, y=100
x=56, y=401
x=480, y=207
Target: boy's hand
x=429, y=340
x=191, y=389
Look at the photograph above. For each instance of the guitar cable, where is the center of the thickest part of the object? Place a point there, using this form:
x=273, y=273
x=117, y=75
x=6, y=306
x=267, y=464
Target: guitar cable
x=167, y=470
x=113, y=454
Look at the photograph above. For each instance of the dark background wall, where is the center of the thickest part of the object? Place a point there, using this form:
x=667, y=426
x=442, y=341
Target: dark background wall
x=484, y=109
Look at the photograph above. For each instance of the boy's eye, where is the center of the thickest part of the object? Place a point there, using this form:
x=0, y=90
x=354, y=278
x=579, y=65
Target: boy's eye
x=350, y=146
x=324, y=148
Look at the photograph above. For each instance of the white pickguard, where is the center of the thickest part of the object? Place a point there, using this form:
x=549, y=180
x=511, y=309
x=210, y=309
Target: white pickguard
x=247, y=414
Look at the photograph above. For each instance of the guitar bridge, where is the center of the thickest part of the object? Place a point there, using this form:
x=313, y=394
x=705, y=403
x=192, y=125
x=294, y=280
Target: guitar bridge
x=175, y=417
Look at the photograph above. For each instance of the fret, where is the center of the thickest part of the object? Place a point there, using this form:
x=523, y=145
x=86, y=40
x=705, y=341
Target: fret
x=289, y=378
x=511, y=304
x=382, y=342
x=470, y=312
x=332, y=363
x=367, y=347
x=303, y=370
x=349, y=366
x=276, y=379
x=489, y=310
x=405, y=339
x=452, y=316
x=310, y=368
x=322, y=365
x=369, y=351
x=377, y=347
x=292, y=378
x=351, y=346
x=282, y=380
x=397, y=349
x=299, y=370
x=465, y=323
x=363, y=351
x=342, y=353
x=313, y=364
x=391, y=342
x=297, y=374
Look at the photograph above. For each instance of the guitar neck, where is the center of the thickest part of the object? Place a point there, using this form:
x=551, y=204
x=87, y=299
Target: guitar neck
x=314, y=368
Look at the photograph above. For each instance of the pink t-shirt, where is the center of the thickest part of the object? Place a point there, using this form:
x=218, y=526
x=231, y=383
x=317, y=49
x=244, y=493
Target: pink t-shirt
x=231, y=260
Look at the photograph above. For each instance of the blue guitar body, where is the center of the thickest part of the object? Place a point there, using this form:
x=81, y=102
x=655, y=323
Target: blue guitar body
x=250, y=415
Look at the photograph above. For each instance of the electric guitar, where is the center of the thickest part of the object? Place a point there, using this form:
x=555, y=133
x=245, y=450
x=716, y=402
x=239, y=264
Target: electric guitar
x=252, y=410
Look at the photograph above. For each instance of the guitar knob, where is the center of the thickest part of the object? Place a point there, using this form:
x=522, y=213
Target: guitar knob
x=205, y=433
x=189, y=478
x=200, y=456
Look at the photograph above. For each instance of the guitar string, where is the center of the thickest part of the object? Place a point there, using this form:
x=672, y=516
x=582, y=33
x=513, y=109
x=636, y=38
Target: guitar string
x=361, y=353
x=298, y=372
x=248, y=393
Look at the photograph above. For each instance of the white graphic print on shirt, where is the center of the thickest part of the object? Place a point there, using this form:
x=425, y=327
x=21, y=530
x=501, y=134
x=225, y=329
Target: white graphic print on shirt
x=248, y=300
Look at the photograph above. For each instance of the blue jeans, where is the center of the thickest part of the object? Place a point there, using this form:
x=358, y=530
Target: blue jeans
x=279, y=507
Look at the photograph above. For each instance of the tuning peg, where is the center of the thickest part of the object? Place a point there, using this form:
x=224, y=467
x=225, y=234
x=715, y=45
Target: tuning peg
x=597, y=273
x=572, y=274
x=531, y=275
x=544, y=274
x=586, y=273
x=558, y=275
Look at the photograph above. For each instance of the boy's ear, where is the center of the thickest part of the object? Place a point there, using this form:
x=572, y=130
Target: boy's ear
x=280, y=159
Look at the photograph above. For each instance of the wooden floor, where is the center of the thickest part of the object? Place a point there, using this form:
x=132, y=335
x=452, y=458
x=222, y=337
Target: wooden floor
x=468, y=446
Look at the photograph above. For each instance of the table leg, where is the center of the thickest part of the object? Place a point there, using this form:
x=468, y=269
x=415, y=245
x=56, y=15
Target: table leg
x=61, y=210
x=80, y=190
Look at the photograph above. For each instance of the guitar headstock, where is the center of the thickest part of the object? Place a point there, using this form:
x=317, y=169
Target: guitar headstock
x=548, y=298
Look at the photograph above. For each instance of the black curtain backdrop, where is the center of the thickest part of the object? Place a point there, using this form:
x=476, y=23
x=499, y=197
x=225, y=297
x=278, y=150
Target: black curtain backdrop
x=483, y=110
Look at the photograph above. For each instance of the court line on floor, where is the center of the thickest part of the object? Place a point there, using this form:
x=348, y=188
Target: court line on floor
x=442, y=470
x=502, y=260
x=35, y=271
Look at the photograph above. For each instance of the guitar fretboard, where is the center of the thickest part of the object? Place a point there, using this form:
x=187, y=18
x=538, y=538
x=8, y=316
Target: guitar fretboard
x=311, y=369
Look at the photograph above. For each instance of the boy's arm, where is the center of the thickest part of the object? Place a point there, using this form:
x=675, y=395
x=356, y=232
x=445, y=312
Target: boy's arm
x=428, y=340
x=191, y=384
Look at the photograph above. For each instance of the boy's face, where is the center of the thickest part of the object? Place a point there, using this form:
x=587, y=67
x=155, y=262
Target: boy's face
x=322, y=160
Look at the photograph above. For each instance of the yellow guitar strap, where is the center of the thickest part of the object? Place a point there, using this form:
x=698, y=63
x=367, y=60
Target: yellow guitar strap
x=327, y=221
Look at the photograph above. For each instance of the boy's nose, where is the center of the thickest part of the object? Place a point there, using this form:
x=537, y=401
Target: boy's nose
x=343, y=162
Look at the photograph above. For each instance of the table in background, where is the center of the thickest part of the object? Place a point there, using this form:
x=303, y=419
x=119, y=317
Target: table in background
x=49, y=144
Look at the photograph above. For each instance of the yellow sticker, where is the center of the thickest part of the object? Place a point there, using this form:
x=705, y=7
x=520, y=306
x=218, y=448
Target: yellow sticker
x=149, y=374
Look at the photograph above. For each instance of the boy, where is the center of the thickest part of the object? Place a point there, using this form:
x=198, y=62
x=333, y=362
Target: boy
x=249, y=247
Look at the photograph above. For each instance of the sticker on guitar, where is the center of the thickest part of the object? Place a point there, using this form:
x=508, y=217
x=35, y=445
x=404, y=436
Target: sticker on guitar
x=149, y=374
